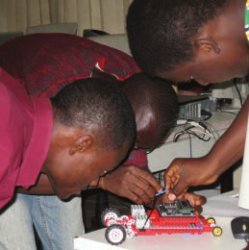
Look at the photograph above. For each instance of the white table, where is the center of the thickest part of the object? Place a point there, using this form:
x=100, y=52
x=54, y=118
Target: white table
x=160, y=158
x=222, y=207
x=206, y=241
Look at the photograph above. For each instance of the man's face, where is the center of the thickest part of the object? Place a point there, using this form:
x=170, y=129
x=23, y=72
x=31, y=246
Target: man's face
x=75, y=172
x=231, y=62
x=205, y=73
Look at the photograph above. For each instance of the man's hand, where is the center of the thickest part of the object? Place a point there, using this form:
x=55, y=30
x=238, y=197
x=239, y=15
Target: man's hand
x=194, y=199
x=131, y=182
x=174, y=177
x=183, y=173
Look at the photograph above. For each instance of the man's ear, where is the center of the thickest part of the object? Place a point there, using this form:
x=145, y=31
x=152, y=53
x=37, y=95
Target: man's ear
x=206, y=45
x=81, y=144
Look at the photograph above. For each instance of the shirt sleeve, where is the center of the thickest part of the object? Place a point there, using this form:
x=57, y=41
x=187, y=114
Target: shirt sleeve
x=12, y=140
x=138, y=158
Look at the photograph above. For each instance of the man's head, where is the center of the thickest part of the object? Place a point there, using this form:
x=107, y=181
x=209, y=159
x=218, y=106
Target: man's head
x=185, y=39
x=154, y=102
x=93, y=130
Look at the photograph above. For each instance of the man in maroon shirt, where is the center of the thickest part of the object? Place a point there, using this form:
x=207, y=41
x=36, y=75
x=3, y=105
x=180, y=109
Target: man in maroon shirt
x=70, y=140
x=46, y=62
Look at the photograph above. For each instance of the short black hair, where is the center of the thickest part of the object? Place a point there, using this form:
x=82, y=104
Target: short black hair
x=158, y=96
x=160, y=32
x=97, y=105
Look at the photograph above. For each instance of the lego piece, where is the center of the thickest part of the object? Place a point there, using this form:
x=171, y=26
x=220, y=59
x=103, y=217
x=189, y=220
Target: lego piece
x=167, y=218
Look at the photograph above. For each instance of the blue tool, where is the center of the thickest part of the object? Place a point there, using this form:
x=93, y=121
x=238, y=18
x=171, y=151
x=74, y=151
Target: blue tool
x=163, y=191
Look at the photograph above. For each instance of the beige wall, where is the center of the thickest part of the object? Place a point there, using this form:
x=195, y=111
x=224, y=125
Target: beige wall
x=107, y=15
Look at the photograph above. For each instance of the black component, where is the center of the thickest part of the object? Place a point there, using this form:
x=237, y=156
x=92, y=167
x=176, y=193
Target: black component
x=175, y=208
x=94, y=32
x=240, y=227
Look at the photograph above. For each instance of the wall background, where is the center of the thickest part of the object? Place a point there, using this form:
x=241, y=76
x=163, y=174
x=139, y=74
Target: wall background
x=107, y=15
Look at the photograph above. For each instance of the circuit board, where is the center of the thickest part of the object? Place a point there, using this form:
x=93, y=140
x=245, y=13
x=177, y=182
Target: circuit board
x=175, y=208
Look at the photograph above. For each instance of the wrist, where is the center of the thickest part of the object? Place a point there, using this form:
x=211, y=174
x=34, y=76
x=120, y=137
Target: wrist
x=97, y=183
x=211, y=171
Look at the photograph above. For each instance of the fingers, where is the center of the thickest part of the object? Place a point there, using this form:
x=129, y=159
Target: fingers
x=140, y=196
x=134, y=197
x=176, y=177
x=148, y=179
x=168, y=197
x=172, y=178
x=172, y=175
x=133, y=183
x=180, y=188
x=194, y=199
x=143, y=186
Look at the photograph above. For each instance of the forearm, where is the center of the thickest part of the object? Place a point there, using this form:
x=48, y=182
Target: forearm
x=42, y=186
x=230, y=147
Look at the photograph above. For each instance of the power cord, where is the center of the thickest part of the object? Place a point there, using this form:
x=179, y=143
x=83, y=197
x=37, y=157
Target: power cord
x=151, y=211
x=194, y=128
x=235, y=82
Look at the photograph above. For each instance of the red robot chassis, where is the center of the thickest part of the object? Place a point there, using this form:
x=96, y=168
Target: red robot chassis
x=169, y=218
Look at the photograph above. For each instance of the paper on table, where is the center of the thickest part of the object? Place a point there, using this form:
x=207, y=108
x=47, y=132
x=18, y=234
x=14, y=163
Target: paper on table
x=224, y=205
x=244, y=185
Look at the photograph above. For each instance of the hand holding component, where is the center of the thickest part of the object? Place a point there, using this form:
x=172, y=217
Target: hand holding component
x=131, y=182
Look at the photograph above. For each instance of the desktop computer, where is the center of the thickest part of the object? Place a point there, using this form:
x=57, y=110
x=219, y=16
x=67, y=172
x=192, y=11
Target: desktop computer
x=196, y=108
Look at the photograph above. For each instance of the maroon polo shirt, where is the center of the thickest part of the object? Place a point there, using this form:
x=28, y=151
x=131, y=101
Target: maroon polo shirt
x=45, y=63
x=25, y=132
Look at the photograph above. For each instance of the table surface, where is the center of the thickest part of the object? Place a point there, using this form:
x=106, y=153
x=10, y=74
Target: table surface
x=223, y=211
x=161, y=157
x=205, y=241
x=219, y=121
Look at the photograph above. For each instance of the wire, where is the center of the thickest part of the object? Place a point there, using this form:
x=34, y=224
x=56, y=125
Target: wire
x=213, y=131
x=151, y=211
x=235, y=82
x=206, y=115
x=190, y=147
x=197, y=129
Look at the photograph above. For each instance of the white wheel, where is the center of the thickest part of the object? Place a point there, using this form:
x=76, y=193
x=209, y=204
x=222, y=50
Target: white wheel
x=115, y=234
x=109, y=216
